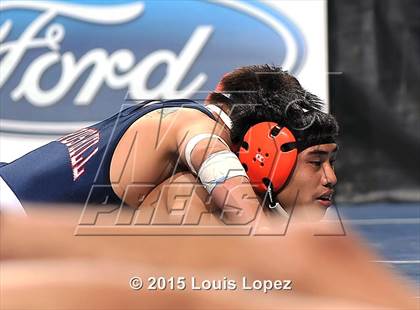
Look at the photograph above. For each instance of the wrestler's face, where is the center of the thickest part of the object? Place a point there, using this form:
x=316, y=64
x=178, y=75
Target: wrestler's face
x=310, y=187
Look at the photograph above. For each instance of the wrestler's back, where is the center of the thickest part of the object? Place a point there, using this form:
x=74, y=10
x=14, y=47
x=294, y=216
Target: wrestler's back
x=148, y=152
x=76, y=168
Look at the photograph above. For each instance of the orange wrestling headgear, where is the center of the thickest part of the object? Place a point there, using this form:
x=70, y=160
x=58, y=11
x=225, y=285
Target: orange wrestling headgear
x=268, y=153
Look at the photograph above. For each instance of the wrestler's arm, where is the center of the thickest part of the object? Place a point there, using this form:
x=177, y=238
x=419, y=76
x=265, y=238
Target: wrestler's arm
x=235, y=196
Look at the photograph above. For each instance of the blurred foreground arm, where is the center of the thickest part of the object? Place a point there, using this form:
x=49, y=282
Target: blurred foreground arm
x=45, y=266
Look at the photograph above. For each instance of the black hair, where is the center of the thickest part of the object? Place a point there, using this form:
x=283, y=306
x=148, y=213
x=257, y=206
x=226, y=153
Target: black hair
x=261, y=93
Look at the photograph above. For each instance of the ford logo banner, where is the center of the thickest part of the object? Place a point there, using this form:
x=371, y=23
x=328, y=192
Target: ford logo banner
x=67, y=64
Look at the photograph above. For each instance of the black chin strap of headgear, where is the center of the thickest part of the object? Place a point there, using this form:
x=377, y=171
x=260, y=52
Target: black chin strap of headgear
x=272, y=203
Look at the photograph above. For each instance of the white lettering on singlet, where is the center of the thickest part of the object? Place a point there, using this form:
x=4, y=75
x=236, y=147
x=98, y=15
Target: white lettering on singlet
x=78, y=143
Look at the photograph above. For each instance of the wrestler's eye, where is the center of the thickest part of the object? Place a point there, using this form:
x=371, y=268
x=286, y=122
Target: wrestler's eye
x=316, y=163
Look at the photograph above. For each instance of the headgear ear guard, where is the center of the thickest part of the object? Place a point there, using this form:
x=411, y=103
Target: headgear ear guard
x=268, y=153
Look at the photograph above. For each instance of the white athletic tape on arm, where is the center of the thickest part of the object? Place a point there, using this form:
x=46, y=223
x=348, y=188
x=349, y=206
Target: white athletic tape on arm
x=193, y=142
x=218, y=168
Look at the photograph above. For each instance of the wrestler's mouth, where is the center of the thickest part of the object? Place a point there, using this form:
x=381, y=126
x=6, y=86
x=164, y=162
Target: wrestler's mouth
x=325, y=199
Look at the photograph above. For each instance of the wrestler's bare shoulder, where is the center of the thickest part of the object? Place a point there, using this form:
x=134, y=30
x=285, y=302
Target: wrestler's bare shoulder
x=148, y=150
x=169, y=121
x=166, y=126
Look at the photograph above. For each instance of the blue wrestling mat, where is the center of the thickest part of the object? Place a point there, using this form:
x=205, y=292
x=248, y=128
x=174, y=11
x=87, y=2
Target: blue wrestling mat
x=393, y=230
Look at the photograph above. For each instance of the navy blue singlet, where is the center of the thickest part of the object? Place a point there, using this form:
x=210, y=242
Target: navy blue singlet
x=65, y=170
